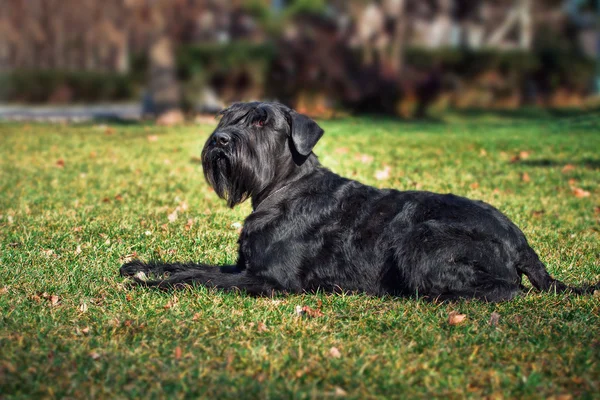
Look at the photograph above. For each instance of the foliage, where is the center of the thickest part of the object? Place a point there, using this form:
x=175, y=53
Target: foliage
x=39, y=86
x=76, y=200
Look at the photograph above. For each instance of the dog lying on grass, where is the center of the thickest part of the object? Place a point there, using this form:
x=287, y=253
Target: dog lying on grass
x=311, y=229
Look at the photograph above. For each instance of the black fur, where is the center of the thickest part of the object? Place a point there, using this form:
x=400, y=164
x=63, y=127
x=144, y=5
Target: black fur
x=314, y=230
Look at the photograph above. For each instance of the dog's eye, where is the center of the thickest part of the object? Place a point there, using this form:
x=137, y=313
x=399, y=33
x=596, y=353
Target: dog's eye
x=259, y=122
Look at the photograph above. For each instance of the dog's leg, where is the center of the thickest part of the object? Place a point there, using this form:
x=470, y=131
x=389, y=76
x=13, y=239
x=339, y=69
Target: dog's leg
x=228, y=277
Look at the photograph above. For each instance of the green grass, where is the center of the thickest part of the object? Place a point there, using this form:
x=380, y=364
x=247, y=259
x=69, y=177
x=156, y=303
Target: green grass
x=65, y=229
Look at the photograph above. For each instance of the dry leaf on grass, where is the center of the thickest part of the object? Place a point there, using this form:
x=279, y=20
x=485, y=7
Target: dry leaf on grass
x=309, y=312
x=454, y=318
x=383, y=174
x=568, y=168
x=177, y=353
x=494, y=319
x=129, y=257
x=364, y=158
x=54, y=300
x=83, y=307
x=60, y=163
x=334, y=352
x=152, y=138
x=580, y=193
x=173, y=216
x=525, y=177
x=262, y=327
x=171, y=303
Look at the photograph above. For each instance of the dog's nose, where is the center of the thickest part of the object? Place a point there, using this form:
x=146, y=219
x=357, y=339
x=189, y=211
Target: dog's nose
x=220, y=139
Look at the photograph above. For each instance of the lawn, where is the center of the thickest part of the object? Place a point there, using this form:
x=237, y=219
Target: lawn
x=78, y=200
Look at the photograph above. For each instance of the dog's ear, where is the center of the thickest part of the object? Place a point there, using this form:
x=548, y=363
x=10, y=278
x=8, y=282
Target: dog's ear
x=305, y=133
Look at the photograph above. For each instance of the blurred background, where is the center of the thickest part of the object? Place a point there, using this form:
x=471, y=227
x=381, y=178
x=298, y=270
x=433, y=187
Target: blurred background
x=411, y=58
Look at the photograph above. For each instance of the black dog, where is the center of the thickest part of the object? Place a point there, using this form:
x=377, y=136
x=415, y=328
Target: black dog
x=314, y=230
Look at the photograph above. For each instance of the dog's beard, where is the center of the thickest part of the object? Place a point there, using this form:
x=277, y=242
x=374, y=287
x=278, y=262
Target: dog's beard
x=231, y=175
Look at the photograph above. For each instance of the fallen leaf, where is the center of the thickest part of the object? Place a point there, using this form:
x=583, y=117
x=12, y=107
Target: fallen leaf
x=196, y=317
x=383, y=174
x=83, y=307
x=494, y=318
x=171, y=303
x=538, y=213
x=173, y=216
x=580, y=193
x=152, y=138
x=474, y=185
x=341, y=150
x=118, y=197
x=312, y=313
x=78, y=229
x=106, y=200
x=78, y=249
x=147, y=233
x=177, y=353
x=60, y=163
x=364, y=158
x=339, y=392
x=54, y=300
x=189, y=224
x=129, y=257
x=262, y=327
x=128, y=297
x=48, y=252
x=577, y=379
x=597, y=210
x=334, y=352
x=85, y=330
x=3, y=290
x=482, y=153
x=568, y=168
x=524, y=155
x=564, y=397
x=454, y=318
x=109, y=131
x=525, y=177
x=94, y=355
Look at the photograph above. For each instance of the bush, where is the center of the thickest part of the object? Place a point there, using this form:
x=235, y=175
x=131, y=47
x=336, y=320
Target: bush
x=33, y=86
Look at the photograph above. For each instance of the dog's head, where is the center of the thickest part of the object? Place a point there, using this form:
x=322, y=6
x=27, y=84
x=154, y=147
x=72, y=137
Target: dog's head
x=255, y=145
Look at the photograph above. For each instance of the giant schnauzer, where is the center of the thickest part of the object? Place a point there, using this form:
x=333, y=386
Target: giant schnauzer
x=311, y=229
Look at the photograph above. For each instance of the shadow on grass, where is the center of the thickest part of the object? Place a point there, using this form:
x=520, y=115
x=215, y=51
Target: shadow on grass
x=530, y=113
x=547, y=162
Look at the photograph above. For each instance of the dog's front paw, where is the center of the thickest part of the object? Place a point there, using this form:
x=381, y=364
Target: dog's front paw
x=134, y=268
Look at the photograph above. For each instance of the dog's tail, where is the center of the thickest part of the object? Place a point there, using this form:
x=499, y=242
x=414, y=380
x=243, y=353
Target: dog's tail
x=538, y=275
